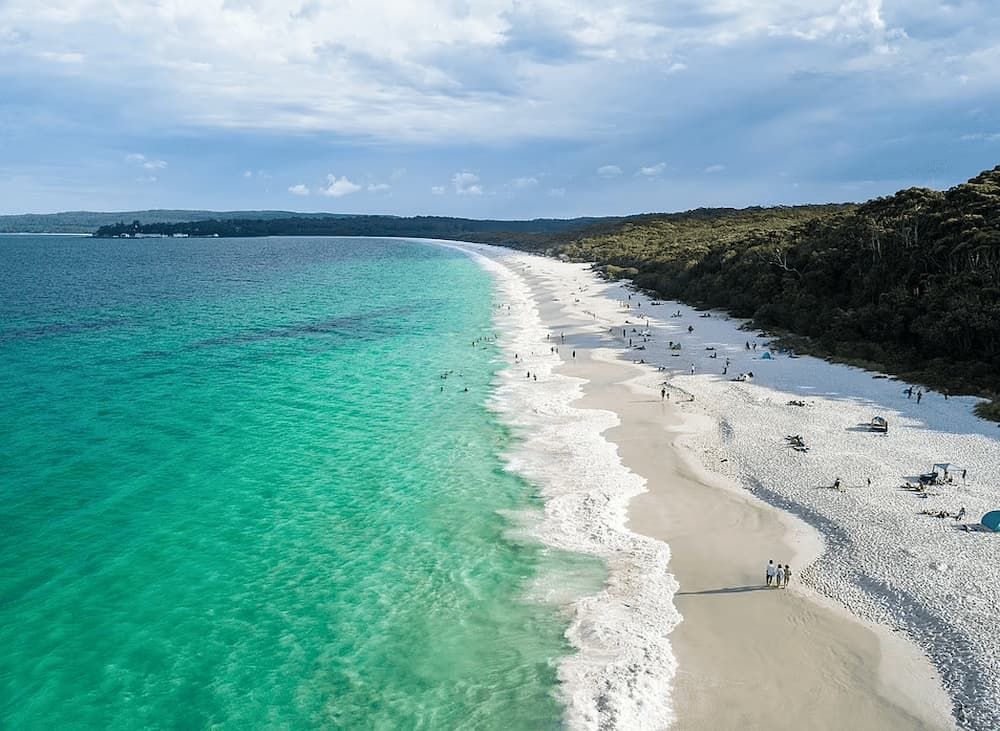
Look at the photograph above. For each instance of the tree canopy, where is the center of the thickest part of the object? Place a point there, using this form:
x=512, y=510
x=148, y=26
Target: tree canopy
x=909, y=283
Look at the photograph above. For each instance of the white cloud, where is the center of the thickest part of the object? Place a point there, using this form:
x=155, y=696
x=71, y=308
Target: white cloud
x=338, y=187
x=378, y=187
x=557, y=192
x=67, y=58
x=609, y=171
x=526, y=182
x=298, y=189
x=337, y=66
x=438, y=189
x=488, y=70
x=545, y=85
x=147, y=163
x=397, y=173
x=981, y=136
x=651, y=171
x=466, y=184
x=248, y=173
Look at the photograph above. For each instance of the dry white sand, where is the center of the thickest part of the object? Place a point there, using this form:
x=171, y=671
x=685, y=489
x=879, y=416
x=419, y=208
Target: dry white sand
x=752, y=657
x=748, y=656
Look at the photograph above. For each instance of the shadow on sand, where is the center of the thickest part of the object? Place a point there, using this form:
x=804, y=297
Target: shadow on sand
x=725, y=590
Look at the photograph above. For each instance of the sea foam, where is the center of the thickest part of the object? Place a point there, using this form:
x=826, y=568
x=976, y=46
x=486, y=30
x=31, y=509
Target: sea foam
x=622, y=671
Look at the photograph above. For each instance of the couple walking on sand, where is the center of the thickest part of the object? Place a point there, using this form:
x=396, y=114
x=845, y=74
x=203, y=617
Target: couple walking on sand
x=779, y=575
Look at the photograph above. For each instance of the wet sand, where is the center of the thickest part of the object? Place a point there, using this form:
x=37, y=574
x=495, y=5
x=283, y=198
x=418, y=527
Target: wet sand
x=749, y=656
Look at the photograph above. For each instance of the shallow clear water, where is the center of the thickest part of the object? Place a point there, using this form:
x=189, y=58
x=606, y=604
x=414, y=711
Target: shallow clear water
x=233, y=492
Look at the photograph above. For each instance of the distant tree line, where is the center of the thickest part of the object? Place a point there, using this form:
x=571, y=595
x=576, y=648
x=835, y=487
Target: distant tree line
x=87, y=221
x=456, y=229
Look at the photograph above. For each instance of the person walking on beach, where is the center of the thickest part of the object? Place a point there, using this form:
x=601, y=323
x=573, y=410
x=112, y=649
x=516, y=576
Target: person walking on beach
x=663, y=394
x=788, y=576
x=574, y=353
x=692, y=369
x=779, y=576
x=770, y=572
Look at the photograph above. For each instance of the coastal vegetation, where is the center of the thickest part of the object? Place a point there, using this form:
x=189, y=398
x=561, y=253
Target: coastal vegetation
x=435, y=227
x=908, y=284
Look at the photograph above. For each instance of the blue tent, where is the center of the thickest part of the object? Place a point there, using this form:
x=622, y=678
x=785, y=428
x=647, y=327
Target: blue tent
x=992, y=520
x=766, y=356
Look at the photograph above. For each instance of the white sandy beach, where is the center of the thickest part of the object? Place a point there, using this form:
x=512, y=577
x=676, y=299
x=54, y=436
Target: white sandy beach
x=888, y=609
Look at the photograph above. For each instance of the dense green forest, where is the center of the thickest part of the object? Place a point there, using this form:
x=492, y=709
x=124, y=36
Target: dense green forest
x=908, y=283
x=456, y=229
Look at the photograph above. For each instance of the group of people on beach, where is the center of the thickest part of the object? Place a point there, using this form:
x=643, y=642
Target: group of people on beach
x=777, y=576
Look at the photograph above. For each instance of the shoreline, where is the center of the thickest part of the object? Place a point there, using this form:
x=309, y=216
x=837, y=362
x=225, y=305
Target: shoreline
x=623, y=659
x=793, y=640
x=884, y=680
x=747, y=656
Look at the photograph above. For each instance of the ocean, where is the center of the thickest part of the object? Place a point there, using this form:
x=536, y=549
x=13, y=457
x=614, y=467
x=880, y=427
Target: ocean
x=237, y=491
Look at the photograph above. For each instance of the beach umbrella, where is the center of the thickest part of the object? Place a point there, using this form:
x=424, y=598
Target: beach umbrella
x=992, y=520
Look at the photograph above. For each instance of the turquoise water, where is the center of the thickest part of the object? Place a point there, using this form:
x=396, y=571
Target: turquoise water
x=234, y=494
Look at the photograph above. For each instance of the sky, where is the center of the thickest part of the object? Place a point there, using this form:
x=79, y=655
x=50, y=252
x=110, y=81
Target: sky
x=492, y=108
